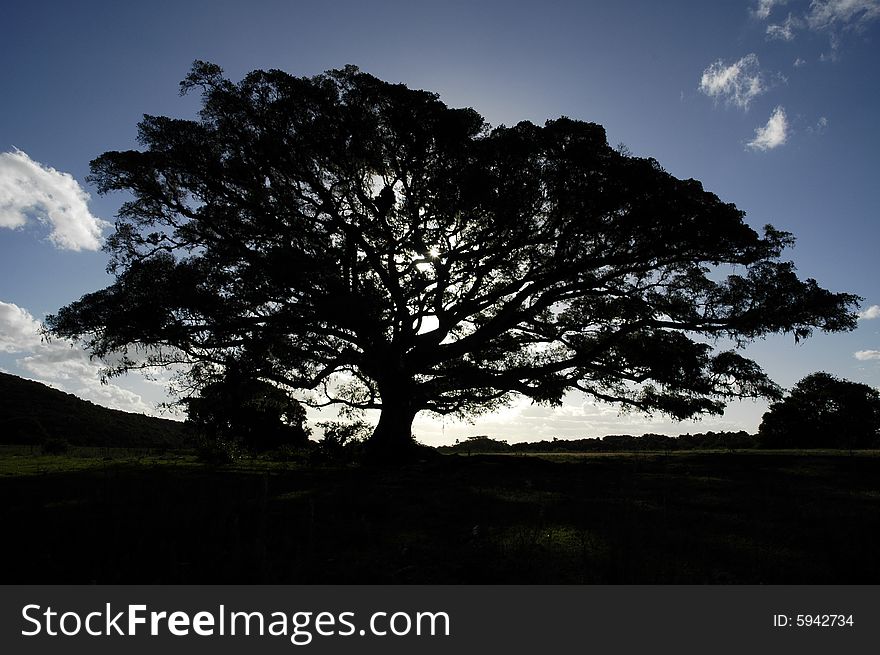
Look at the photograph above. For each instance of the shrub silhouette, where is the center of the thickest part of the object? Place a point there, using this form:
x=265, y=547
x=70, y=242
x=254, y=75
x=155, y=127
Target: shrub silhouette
x=55, y=446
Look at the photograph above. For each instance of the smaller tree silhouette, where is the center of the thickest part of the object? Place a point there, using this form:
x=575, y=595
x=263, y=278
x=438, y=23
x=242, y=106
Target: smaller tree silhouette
x=239, y=408
x=341, y=439
x=823, y=411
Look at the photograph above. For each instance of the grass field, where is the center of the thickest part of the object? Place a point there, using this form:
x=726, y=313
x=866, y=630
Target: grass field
x=696, y=517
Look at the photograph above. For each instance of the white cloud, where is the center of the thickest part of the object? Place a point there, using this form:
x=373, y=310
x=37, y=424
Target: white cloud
x=762, y=11
x=30, y=190
x=800, y=62
x=773, y=134
x=834, y=45
x=872, y=312
x=827, y=14
x=738, y=83
x=60, y=363
x=820, y=127
x=783, y=31
x=866, y=355
x=19, y=332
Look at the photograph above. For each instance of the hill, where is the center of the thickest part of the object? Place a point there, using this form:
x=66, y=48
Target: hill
x=31, y=413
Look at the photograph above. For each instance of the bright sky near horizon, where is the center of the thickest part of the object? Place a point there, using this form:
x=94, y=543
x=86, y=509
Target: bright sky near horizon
x=773, y=104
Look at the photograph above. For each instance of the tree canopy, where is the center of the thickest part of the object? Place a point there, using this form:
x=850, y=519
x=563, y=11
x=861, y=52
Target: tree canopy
x=364, y=245
x=823, y=411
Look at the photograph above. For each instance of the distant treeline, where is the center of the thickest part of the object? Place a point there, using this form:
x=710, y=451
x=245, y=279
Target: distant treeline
x=32, y=413
x=612, y=443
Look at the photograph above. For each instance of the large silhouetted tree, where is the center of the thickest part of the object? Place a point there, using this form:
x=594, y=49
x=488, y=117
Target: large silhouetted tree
x=362, y=242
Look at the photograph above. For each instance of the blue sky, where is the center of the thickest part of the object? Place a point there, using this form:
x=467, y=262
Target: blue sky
x=773, y=105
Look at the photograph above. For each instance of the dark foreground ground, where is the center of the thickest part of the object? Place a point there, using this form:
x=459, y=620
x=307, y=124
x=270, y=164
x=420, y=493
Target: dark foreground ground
x=683, y=518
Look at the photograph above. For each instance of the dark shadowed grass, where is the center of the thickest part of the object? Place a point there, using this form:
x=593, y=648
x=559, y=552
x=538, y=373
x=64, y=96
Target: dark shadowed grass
x=753, y=517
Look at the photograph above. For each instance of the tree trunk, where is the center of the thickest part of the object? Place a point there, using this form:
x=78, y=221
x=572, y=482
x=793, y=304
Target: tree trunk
x=392, y=438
